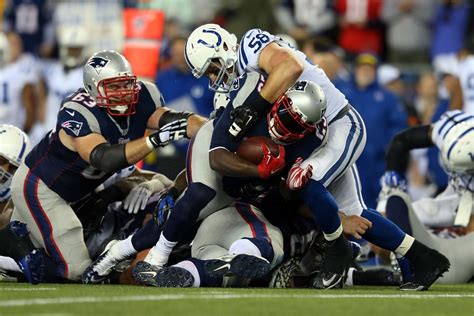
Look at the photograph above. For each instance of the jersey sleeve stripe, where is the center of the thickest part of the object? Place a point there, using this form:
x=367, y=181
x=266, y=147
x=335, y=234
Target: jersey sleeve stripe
x=448, y=120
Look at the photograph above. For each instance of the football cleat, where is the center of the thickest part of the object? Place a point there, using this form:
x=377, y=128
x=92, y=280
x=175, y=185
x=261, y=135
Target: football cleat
x=100, y=270
x=146, y=273
x=337, y=258
x=282, y=276
x=426, y=271
x=174, y=277
x=243, y=265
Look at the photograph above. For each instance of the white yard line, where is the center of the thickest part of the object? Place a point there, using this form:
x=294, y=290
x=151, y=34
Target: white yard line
x=220, y=296
x=6, y=289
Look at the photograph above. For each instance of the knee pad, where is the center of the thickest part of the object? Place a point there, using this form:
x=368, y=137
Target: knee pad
x=38, y=267
x=15, y=240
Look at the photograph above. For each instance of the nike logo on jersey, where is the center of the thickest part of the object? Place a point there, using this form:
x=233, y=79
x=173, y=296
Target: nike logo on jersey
x=71, y=113
x=225, y=266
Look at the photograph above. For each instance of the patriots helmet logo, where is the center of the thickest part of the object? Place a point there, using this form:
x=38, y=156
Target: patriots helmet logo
x=73, y=126
x=98, y=63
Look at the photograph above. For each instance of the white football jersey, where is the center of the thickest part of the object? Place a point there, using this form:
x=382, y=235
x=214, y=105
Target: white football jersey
x=13, y=77
x=466, y=77
x=255, y=40
x=59, y=84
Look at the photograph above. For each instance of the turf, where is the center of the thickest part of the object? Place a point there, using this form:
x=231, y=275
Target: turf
x=56, y=299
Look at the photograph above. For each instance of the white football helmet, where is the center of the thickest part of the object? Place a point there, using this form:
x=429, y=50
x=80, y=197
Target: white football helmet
x=14, y=146
x=298, y=112
x=107, y=68
x=457, y=151
x=211, y=44
x=4, y=50
x=73, y=41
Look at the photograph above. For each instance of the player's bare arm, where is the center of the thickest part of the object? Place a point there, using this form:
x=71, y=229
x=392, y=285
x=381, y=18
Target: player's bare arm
x=283, y=69
x=229, y=164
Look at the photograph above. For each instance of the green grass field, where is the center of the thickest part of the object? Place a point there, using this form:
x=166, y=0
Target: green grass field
x=58, y=299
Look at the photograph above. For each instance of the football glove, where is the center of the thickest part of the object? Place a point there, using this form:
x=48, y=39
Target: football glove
x=172, y=131
x=137, y=198
x=297, y=176
x=270, y=164
x=243, y=118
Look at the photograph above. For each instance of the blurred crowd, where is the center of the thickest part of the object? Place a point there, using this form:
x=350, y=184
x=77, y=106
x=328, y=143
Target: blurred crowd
x=397, y=62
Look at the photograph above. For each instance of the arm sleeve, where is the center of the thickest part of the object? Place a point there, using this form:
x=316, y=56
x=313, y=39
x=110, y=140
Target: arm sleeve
x=398, y=151
x=220, y=135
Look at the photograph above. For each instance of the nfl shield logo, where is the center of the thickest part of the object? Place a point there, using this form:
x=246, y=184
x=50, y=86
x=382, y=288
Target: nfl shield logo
x=98, y=63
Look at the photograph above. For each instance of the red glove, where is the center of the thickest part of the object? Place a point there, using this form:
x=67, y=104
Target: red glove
x=297, y=176
x=271, y=164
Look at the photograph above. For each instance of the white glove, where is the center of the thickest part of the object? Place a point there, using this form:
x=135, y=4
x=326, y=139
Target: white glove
x=137, y=198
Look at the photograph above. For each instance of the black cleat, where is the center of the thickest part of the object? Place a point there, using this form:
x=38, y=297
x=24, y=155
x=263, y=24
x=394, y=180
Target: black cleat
x=145, y=273
x=174, y=277
x=337, y=258
x=282, y=277
x=245, y=266
x=428, y=268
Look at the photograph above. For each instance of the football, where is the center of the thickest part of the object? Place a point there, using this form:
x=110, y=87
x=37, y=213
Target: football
x=251, y=148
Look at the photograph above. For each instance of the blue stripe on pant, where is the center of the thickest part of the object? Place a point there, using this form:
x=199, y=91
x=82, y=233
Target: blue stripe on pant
x=259, y=228
x=30, y=191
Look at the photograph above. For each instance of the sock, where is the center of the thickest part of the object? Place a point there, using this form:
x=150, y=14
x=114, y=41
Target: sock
x=397, y=211
x=205, y=279
x=405, y=245
x=125, y=247
x=160, y=253
x=147, y=236
x=191, y=268
x=350, y=277
x=383, y=233
x=259, y=247
x=323, y=207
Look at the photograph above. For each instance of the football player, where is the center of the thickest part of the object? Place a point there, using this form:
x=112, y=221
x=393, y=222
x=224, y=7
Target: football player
x=453, y=135
x=100, y=130
x=18, y=77
x=212, y=51
x=14, y=145
x=60, y=78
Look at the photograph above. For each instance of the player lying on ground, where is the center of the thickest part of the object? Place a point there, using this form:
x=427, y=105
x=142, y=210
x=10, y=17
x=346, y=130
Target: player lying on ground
x=453, y=135
x=99, y=131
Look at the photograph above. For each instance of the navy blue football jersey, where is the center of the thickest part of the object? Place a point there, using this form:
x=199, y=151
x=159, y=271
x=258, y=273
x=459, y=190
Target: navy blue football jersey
x=63, y=170
x=246, y=85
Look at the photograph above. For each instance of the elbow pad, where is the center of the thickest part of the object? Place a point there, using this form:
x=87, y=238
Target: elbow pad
x=109, y=158
x=411, y=138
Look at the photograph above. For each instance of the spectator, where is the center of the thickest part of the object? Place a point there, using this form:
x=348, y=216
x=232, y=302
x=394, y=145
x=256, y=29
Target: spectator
x=429, y=177
x=302, y=19
x=60, y=78
x=466, y=75
x=411, y=17
x=361, y=28
x=383, y=115
x=390, y=77
x=449, y=29
x=328, y=56
x=18, y=79
x=32, y=20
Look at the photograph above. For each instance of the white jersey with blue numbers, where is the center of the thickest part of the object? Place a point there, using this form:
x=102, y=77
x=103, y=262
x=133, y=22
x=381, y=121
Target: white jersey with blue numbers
x=466, y=76
x=255, y=40
x=447, y=121
x=59, y=85
x=13, y=77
